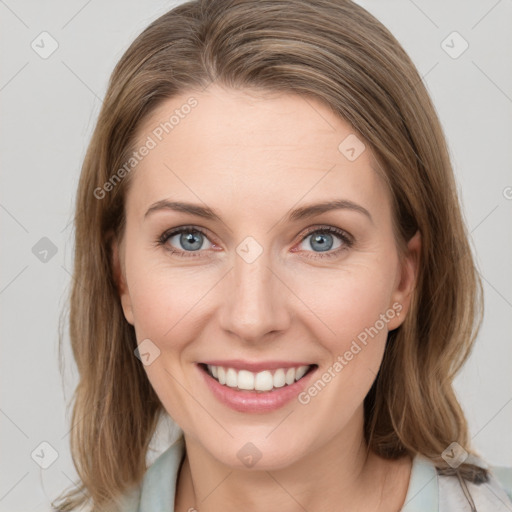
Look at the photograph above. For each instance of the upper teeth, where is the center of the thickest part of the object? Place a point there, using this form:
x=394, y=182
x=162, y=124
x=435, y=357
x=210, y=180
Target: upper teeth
x=261, y=381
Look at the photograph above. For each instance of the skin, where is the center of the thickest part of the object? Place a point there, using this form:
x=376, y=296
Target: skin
x=252, y=157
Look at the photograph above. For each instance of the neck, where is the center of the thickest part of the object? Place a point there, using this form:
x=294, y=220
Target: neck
x=340, y=475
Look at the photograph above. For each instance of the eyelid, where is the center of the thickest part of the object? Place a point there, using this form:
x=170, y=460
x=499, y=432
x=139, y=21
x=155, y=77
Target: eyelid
x=329, y=229
x=169, y=233
x=177, y=230
x=346, y=238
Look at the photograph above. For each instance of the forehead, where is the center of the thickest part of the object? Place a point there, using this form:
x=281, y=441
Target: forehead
x=252, y=148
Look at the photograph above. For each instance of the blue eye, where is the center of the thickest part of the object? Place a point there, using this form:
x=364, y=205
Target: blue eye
x=322, y=240
x=191, y=240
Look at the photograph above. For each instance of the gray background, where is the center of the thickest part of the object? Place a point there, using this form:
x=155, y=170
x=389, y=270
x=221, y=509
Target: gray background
x=49, y=107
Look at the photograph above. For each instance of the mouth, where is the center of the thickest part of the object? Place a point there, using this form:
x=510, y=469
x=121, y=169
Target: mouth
x=265, y=381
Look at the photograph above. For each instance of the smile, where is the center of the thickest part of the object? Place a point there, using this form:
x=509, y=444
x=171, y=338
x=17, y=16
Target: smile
x=265, y=380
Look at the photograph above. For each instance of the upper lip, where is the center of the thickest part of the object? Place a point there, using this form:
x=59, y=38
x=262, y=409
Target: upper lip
x=255, y=366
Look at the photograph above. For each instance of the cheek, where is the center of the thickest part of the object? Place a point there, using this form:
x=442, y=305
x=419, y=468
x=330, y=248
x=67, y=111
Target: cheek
x=166, y=301
x=159, y=306
x=151, y=295
x=354, y=311
x=351, y=323
x=349, y=301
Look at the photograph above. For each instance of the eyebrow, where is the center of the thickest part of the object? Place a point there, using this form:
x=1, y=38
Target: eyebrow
x=304, y=212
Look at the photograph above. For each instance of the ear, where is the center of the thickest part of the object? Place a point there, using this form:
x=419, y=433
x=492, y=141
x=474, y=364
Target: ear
x=120, y=279
x=406, y=281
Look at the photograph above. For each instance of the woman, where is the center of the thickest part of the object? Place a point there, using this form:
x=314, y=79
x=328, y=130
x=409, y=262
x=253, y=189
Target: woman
x=270, y=250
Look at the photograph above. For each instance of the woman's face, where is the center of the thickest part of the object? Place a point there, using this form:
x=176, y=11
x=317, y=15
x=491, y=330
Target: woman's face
x=259, y=280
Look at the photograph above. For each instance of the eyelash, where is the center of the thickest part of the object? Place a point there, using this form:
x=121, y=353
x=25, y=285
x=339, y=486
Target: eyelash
x=343, y=235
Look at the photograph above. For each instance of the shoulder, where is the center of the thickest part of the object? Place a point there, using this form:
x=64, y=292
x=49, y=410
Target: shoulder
x=494, y=495
x=430, y=491
x=504, y=476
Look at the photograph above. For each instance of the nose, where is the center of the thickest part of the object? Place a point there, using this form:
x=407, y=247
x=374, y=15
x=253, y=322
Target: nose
x=256, y=300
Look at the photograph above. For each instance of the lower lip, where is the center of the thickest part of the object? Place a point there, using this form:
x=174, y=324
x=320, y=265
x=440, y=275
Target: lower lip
x=255, y=401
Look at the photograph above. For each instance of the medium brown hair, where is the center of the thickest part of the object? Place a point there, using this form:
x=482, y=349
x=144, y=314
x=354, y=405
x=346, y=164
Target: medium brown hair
x=334, y=51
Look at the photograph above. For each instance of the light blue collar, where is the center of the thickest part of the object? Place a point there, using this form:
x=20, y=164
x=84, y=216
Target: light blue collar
x=423, y=491
x=159, y=484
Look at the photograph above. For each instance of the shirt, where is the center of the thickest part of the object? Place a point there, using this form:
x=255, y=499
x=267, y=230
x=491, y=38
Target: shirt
x=427, y=491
